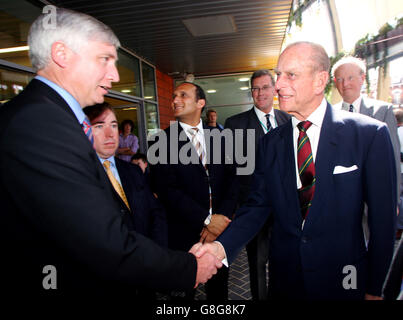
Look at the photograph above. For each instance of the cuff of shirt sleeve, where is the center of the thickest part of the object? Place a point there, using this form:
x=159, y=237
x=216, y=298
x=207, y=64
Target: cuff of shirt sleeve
x=225, y=260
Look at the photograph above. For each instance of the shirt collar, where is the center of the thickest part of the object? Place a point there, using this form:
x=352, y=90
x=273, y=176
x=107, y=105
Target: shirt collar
x=356, y=104
x=315, y=117
x=70, y=100
x=186, y=127
x=261, y=115
x=110, y=159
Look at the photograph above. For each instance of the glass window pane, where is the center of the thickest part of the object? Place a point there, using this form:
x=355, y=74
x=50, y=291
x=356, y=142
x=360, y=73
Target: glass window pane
x=148, y=82
x=152, y=125
x=12, y=83
x=129, y=73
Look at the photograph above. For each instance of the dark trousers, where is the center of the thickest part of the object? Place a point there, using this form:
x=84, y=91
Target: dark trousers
x=216, y=288
x=258, y=255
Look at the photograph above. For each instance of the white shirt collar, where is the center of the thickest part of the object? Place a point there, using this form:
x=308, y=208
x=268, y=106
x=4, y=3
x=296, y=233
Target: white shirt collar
x=261, y=115
x=315, y=117
x=186, y=127
x=262, y=118
x=356, y=104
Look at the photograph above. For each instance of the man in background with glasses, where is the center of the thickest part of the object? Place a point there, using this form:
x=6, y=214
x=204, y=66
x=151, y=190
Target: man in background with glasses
x=262, y=118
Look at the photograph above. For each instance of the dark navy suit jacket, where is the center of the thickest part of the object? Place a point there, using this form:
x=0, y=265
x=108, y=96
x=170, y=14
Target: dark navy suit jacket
x=146, y=215
x=308, y=262
x=184, y=192
x=58, y=208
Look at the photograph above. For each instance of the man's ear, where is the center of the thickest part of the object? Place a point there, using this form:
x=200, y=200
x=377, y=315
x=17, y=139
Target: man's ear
x=322, y=77
x=201, y=103
x=60, y=54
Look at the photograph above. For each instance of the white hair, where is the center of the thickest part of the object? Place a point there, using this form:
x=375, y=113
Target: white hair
x=72, y=28
x=350, y=60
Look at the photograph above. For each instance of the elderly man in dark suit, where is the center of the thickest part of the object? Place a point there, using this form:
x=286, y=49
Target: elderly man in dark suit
x=313, y=176
x=262, y=118
x=200, y=196
x=63, y=228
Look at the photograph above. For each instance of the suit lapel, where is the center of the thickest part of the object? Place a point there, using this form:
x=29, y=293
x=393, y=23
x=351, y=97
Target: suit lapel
x=254, y=123
x=324, y=165
x=368, y=111
x=286, y=163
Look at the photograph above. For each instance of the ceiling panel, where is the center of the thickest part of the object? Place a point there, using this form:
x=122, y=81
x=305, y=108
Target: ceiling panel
x=155, y=31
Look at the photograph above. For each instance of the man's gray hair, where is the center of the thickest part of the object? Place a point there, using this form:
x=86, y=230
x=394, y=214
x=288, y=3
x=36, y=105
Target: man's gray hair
x=350, y=60
x=319, y=58
x=72, y=28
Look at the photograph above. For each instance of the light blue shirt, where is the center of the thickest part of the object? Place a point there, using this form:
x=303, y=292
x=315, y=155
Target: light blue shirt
x=113, y=167
x=70, y=100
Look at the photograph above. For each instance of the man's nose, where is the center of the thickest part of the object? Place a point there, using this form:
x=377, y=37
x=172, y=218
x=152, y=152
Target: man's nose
x=113, y=74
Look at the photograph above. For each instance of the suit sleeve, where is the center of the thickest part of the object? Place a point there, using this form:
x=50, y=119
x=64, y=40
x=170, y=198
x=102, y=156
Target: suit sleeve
x=390, y=121
x=381, y=200
x=251, y=216
x=53, y=176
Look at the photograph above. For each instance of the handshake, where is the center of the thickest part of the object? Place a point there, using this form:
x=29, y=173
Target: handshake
x=209, y=254
x=209, y=258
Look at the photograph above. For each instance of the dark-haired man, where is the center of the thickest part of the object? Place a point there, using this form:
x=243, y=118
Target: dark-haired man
x=200, y=196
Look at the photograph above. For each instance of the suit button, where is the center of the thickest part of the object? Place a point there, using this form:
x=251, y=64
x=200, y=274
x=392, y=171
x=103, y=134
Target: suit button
x=304, y=239
x=122, y=211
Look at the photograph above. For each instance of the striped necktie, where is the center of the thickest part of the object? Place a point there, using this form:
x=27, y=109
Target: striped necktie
x=306, y=168
x=115, y=183
x=269, y=127
x=202, y=155
x=351, y=108
x=86, y=125
x=198, y=146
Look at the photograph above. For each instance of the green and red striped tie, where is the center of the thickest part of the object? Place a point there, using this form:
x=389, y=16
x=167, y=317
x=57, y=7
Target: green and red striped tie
x=306, y=168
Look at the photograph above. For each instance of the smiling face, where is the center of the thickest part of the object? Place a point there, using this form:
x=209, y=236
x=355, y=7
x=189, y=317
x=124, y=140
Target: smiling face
x=349, y=79
x=90, y=72
x=299, y=87
x=263, y=93
x=185, y=105
x=106, y=134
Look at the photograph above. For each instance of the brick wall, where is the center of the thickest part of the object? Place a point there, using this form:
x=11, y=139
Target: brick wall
x=165, y=87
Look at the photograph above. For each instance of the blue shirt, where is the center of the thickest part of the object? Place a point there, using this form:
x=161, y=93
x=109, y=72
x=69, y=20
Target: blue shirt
x=113, y=167
x=70, y=100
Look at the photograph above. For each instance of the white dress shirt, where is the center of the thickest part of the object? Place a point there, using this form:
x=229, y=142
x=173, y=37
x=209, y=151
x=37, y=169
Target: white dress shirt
x=313, y=133
x=199, y=135
x=262, y=118
x=356, y=105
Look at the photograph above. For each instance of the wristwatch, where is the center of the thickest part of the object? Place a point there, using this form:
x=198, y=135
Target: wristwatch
x=207, y=220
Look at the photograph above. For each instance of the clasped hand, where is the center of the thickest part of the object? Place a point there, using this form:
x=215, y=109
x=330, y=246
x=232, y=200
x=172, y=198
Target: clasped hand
x=209, y=257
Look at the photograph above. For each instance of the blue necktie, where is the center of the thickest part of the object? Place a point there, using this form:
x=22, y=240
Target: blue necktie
x=87, y=130
x=269, y=127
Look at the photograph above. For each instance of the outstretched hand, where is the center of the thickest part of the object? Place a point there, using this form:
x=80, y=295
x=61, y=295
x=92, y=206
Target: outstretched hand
x=207, y=265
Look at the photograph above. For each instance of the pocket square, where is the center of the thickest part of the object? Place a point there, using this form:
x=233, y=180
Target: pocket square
x=341, y=169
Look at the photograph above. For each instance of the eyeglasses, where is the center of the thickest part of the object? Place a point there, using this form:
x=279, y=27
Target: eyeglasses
x=264, y=88
x=349, y=79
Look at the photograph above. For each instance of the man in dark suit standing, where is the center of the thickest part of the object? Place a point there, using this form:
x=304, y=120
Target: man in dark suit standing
x=144, y=214
x=262, y=118
x=200, y=196
x=63, y=228
x=313, y=176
